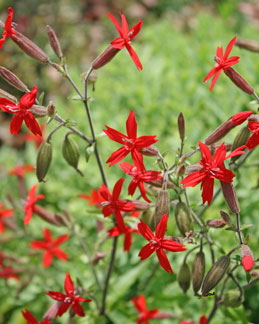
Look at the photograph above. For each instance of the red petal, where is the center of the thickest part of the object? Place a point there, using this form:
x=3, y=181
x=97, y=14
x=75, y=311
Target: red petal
x=7, y=105
x=16, y=123
x=126, y=167
x=127, y=241
x=140, y=303
x=47, y=259
x=146, y=251
x=131, y=125
x=220, y=155
x=135, y=30
x=28, y=216
x=118, y=43
x=161, y=227
x=47, y=235
x=28, y=100
x=60, y=254
x=193, y=179
x=132, y=187
x=32, y=124
x=107, y=210
x=210, y=74
x=114, y=135
x=56, y=295
x=1, y=227
x=143, y=191
x=78, y=309
x=9, y=19
x=63, y=308
x=119, y=221
x=117, y=156
x=29, y=317
x=207, y=189
x=205, y=152
x=116, y=23
x=219, y=52
x=172, y=246
x=117, y=189
x=68, y=285
x=61, y=239
x=137, y=159
x=38, y=245
x=124, y=26
x=151, y=176
x=215, y=79
x=253, y=141
x=203, y=319
x=134, y=57
x=163, y=260
x=229, y=48
x=248, y=263
x=105, y=193
x=145, y=141
x=145, y=231
x=113, y=232
x=2, y=40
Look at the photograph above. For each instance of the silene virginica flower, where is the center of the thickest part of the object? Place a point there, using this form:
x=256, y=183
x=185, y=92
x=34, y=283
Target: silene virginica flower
x=94, y=199
x=131, y=143
x=30, y=319
x=22, y=112
x=70, y=298
x=157, y=243
x=51, y=247
x=144, y=314
x=30, y=204
x=4, y=213
x=20, y=170
x=8, y=30
x=223, y=62
x=253, y=140
x=211, y=168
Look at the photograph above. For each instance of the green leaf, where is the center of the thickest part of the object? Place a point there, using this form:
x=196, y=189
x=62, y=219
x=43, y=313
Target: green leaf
x=245, y=226
x=41, y=97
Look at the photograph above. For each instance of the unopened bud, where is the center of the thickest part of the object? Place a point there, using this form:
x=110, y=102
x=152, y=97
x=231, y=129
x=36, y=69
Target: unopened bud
x=181, y=126
x=159, y=183
x=184, y=277
x=183, y=218
x=240, y=139
x=198, y=270
x=149, y=151
x=216, y=223
x=51, y=110
x=247, y=258
x=44, y=157
x=54, y=42
x=193, y=168
x=140, y=205
x=6, y=95
x=29, y=47
x=254, y=273
x=225, y=216
x=45, y=215
x=38, y=111
x=162, y=206
x=233, y=298
x=105, y=57
x=248, y=44
x=230, y=196
x=175, y=238
x=215, y=274
x=238, y=80
x=70, y=152
x=97, y=258
x=219, y=132
x=181, y=170
x=62, y=221
x=254, y=117
x=12, y=79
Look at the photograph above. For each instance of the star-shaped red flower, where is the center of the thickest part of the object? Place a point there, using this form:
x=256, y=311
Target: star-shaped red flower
x=94, y=199
x=20, y=170
x=158, y=244
x=144, y=314
x=131, y=143
x=126, y=36
x=71, y=298
x=22, y=112
x=203, y=320
x=30, y=319
x=9, y=31
x=253, y=140
x=223, y=62
x=51, y=247
x=112, y=204
x=211, y=168
x=30, y=204
x=4, y=213
x=139, y=176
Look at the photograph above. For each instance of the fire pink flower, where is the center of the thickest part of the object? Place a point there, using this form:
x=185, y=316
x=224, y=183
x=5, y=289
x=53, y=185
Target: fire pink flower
x=30, y=319
x=7, y=272
x=253, y=140
x=9, y=31
x=131, y=143
x=71, y=298
x=51, y=247
x=94, y=199
x=211, y=168
x=22, y=112
x=126, y=36
x=203, y=320
x=20, y=170
x=36, y=138
x=4, y=213
x=222, y=62
x=158, y=244
x=144, y=315
x=30, y=204
x=112, y=204
x=139, y=176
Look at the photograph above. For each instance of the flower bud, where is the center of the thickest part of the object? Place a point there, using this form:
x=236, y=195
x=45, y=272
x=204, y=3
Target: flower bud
x=162, y=206
x=70, y=152
x=62, y=221
x=175, y=238
x=230, y=196
x=54, y=43
x=97, y=257
x=149, y=151
x=183, y=218
x=216, y=223
x=38, y=111
x=240, y=139
x=105, y=57
x=247, y=258
x=193, y=168
x=225, y=217
x=181, y=126
x=254, y=273
x=140, y=205
x=198, y=270
x=6, y=95
x=238, y=80
x=44, y=157
x=233, y=298
x=215, y=274
x=219, y=132
x=29, y=47
x=248, y=44
x=159, y=183
x=12, y=79
x=51, y=110
x=181, y=170
x=253, y=118
x=184, y=277
x=45, y=215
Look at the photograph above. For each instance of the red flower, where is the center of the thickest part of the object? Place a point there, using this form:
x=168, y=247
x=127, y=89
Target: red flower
x=36, y=138
x=30, y=204
x=115, y=231
x=126, y=36
x=131, y=143
x=4, y=213
x=240, y=117
x=139, y=176
x=140, y=305
x=203, y=320
x=32, y=320
x=71, y=298
x=211, y=168
x=9, y=31
x=158, y=244
x=7, y=272
x=51, y=247
x=253, y=140
x=22, y=112
x=20, y=170
x=95, y=199
x=112, y=204
x=222, y=62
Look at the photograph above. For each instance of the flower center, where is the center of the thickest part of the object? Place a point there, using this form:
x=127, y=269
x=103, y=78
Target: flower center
x=128, y=143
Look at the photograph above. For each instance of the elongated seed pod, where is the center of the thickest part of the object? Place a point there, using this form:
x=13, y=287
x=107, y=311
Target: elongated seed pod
x=106, y=56
x=183, y=218
x=198, y=270
x=70, y=152
x=240, y=139
x=184, y=277
x=44, y=157
x=162, y=206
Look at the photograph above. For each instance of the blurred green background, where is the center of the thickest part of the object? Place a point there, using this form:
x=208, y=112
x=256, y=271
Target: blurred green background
x=176, y=46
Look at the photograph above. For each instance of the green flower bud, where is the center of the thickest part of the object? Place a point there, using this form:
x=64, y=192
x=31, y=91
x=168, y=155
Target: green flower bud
x=184, y=277
x=70, y=152
x=183, y=218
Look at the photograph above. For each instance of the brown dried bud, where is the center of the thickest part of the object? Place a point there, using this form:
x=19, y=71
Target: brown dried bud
x=198, y=270
x=149, y=151
x=175, y=238
x=183, y=218
x=253, y=118
x=184, y=277
x=38, y=111
x=70, y=152
x=240, y=139
x=159, y=183
x=254, y=273
x=181, y=126
x=233, y=298
x=245, y=251
x=230, y=196
x=248, y=44
x=54, y=42
x=97, y=257
x=193, y=168
x=225, y=216
x=46, y=215
x=215, y=274
x=12, y=79
x=44, y=157
x=51, y=313
x=105, y=57
x=181, y=170
x=29, y=47
x=6, y=95
x=216, y=223
x=238, y=80
x=51, y=110
x=162, y=206
x=62, y=221
x=140, y=205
